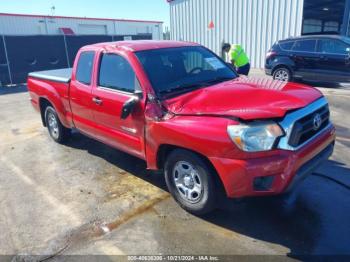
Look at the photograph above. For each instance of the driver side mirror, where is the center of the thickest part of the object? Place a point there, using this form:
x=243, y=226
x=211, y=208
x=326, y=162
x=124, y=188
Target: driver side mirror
x=129, y=106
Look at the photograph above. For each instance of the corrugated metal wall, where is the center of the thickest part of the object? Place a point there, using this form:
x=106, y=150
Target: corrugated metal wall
x=255, y=24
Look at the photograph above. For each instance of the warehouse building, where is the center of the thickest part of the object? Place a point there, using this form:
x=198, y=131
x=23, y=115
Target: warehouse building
x=19, y=24
x=255, y=24
x=34, y=42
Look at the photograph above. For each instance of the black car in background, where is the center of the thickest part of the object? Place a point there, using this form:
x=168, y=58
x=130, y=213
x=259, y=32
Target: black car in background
x=311, y=58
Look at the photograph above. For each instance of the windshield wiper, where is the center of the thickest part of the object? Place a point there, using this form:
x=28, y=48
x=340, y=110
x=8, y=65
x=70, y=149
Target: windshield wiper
x=180, y=89
x=217, y=80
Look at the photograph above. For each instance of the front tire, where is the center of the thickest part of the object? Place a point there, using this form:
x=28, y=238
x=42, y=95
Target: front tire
x=190, y=182
x=282, y=74
x=57, y=131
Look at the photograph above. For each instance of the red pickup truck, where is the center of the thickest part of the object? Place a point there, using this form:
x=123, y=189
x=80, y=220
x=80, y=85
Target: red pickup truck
x=183, y=110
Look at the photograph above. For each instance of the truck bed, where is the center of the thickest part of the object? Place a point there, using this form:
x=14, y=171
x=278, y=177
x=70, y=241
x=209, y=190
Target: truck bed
x=57, y=75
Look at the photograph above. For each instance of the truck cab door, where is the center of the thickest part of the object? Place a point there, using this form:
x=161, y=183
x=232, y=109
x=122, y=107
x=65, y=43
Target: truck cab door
x=80, y=92
x=117, y=85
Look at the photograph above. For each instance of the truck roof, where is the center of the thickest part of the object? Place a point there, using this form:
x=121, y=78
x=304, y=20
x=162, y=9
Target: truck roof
x=140, y=45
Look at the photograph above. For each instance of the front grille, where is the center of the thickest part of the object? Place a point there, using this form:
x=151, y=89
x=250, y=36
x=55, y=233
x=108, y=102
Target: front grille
x=304, y=128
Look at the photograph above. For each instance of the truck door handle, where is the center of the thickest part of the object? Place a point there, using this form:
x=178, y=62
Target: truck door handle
x=97, y=100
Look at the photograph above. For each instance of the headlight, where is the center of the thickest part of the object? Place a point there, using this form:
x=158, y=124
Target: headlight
x=254, y=137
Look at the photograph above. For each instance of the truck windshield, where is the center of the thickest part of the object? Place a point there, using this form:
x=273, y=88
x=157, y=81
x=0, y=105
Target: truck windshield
x=174, y=71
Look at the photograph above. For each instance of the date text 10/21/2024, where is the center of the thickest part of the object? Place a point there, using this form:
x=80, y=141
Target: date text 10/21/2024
x=173, y=258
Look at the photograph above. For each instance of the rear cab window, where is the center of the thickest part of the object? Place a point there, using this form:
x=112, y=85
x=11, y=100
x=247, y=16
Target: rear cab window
x=84, y=67
x=116, y=73
x=305, y=45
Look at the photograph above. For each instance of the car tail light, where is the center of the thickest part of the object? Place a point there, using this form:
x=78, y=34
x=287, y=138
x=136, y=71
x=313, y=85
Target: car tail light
x=270, y=54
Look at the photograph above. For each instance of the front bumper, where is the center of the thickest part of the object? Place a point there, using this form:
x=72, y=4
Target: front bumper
x=285, y=168
x=35, y=104
x=311, y=166
x=268, y=70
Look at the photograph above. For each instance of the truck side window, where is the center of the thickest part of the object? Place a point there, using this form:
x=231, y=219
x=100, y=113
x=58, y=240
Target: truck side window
x=84, y=68
x=116, y=73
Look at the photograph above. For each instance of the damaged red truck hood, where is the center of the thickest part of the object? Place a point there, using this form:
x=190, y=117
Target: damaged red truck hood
x=244, y=98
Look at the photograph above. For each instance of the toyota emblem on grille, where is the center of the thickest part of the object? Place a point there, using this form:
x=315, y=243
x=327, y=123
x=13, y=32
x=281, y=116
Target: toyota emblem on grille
x=317, y=121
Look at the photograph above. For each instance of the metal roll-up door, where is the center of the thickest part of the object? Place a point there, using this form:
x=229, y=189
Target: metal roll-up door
x=142, y=37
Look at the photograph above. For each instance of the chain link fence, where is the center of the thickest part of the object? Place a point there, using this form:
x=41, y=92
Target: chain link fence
x=20, y=55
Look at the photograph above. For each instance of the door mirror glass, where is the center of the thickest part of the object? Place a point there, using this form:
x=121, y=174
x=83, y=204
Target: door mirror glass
x=129, y=107
x=348, y=49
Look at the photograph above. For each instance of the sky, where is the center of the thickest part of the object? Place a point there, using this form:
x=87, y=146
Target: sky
x=128, y=9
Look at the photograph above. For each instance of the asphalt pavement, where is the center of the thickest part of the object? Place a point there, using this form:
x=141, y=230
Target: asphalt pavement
x=87, y=198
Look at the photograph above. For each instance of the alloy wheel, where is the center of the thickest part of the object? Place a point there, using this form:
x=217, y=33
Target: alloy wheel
x=53, y=125
x=187, y=181
x=281, y=75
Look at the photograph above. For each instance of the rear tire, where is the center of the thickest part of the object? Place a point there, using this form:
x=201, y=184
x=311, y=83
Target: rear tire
x=57, y=131
x=282, y=74
x=190, y=182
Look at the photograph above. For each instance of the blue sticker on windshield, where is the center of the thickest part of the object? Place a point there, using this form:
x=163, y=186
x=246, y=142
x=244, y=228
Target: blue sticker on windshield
x=215, y=63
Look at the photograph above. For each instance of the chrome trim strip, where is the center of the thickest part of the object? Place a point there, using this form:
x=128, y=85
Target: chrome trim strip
x=288, y=123
x=128, y=129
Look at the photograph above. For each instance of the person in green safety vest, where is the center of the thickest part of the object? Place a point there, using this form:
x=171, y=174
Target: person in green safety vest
x=238, y=58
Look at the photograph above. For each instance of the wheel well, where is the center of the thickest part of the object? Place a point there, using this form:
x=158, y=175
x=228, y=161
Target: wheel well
x=43, y=103
x=281, y=66
x=164, y=151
